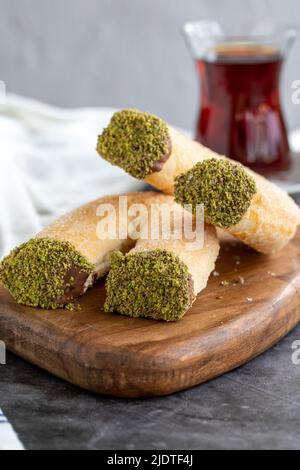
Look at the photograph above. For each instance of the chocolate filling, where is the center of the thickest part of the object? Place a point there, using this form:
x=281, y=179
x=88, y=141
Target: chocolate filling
x=75, y=285
x=158, y=165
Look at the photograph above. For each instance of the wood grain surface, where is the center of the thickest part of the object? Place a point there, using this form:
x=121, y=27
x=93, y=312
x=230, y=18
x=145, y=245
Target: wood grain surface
x=247, y=308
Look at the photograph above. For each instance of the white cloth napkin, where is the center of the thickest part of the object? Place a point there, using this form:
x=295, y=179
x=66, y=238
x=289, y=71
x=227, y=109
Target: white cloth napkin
x=8, y=438
x=49, y=165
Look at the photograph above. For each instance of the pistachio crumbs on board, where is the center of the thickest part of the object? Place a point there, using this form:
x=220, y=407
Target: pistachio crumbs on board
x=152, y=284
x=37, y=273
x=224, y=188
x=135, y=141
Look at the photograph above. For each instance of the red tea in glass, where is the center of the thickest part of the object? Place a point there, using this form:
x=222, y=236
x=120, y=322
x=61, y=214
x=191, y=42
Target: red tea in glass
x=240, y=114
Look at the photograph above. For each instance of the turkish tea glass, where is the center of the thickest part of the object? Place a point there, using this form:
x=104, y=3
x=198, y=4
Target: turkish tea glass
x=240, y=112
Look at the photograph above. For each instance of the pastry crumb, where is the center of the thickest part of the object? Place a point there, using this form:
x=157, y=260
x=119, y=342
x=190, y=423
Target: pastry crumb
x=73, y=307
x=225, y=283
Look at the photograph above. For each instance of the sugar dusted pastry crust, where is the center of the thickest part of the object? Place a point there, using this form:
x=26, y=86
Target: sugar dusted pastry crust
x=80, y=229
x=200, y=262
x=185, y=153
x=271, y=220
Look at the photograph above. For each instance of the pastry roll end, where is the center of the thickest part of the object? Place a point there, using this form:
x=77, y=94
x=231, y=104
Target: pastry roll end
x=46, y=273
x=225, y=189
x=138, y=142
x=244, y=203
x=151, y=283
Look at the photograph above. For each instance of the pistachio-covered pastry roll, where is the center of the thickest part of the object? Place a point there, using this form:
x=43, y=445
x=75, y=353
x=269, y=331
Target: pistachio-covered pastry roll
x=66, y=258
x=249, y=206
x=244, y=203
x=160, y=279
x=147, y=148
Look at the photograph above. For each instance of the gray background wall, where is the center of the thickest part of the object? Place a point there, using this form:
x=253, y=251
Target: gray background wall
x=121, y=52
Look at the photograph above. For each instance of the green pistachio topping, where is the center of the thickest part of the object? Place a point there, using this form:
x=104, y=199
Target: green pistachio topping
x=224, y=188
x=135, y=141
x=40, y=272
x=152, y=284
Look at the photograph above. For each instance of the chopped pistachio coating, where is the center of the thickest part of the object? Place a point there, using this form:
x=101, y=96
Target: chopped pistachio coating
x=134, y=141
x=224, y=188
x=152, y=284
x=38, y=272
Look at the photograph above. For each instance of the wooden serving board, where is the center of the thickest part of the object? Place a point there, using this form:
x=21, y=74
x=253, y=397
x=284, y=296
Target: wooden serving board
x=109, y=354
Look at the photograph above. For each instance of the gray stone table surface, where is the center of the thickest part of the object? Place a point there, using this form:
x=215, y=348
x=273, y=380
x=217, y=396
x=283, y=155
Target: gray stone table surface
x=254, y=407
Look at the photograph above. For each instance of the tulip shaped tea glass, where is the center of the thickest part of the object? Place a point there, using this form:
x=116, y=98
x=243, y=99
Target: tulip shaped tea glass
x=240, y=114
